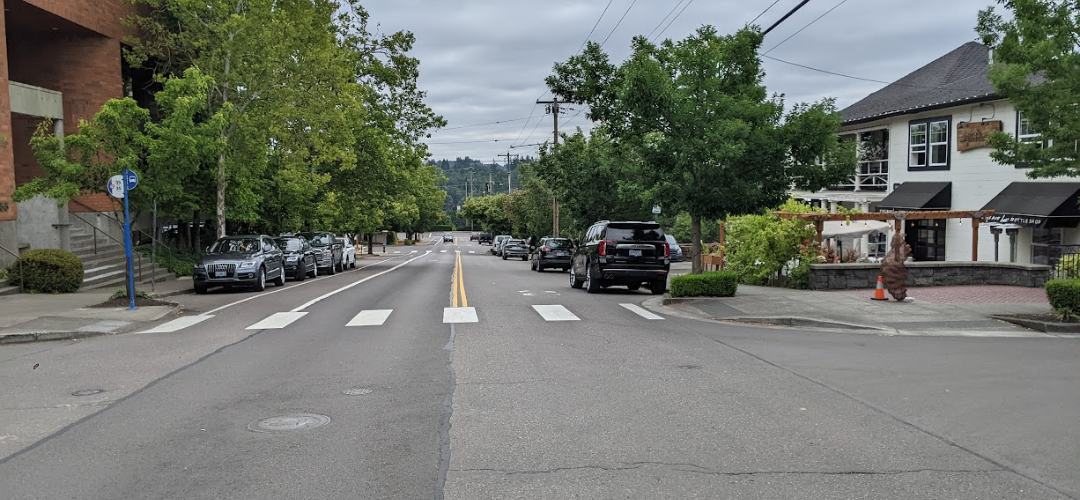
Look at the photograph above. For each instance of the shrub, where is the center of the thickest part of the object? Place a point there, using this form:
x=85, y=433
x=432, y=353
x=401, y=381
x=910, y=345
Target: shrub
x=47, y=271
x=711, y=284
x=799, y=276
x=3, y=275
x=122, y=294
x=178, y=263
x=408, y=242
x=1068, y=267
x=1064, y=297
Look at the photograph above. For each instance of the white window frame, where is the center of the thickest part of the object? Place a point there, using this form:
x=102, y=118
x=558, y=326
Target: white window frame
x=1031, y=136
x=926, y=147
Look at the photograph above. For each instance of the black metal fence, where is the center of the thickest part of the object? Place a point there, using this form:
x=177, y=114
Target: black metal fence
x=1063, y=259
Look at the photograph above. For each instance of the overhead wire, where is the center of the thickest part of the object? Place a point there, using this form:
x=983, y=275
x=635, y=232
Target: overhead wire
x=483, y=124
x=842, y=2
x=819, y=70
x=620, y=22
x=661, y=33
x=661, y=23
x=762, y=12
x=597, y=23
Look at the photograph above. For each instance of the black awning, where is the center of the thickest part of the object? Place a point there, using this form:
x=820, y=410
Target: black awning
x=918, y=196
x=1036, y=204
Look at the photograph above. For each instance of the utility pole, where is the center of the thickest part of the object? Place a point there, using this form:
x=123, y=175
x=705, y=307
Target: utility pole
x=508, y=182
x=553, y=109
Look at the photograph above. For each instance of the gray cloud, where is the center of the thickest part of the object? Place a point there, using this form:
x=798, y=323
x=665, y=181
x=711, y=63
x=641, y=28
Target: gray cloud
x=484, y=61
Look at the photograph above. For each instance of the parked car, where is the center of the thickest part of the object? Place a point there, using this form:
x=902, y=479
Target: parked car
x=496, y=244
x=448, y=237
x=515, y=248
x=676, y=250
x=246, y=260
x=348, y=251
x=622, y=253
x=474, y=236
x=484, y=238
x=329, y=254
x=552, y=252
x=299, y=257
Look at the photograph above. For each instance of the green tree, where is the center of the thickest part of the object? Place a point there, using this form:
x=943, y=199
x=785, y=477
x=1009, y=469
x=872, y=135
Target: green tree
x=1036, y=65
x=707, y=138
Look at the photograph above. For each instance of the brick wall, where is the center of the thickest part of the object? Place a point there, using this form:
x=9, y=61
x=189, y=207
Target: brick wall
x=7, y=158
x=101, y=16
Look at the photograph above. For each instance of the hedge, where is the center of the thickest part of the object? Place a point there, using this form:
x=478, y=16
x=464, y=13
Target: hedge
x=1064, y=297
x=47, y=271
x=711, y=284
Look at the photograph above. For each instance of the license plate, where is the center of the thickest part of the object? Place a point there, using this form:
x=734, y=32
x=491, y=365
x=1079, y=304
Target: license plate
x=560, y=254
x=220, y=274
x=635, y=253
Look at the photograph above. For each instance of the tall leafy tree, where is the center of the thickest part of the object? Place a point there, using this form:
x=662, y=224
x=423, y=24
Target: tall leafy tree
x=1036, y=65
x=708, y=139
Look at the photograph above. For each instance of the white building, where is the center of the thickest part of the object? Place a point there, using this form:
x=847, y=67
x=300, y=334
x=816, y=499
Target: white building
x=922, y=147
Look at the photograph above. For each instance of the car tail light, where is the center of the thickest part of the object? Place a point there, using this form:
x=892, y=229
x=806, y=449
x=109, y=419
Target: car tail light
x=545, y=249
x=667, y=250
x=603, y=247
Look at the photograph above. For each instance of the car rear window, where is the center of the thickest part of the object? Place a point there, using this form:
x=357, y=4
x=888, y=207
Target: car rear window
x=558, y=243
x=644, y=233
x=290, y=245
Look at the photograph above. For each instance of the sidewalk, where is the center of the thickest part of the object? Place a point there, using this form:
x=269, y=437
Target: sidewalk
x=29, y=317
x=935, y=311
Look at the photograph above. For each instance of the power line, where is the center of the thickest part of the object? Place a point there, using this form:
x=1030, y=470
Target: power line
x=658, y=35
x=763, y=12
x=538, y=122
x=597, y=23
x=620, y=22
x=784, y=18
x=467, y=142
x=842, y=2
x=661, y=23
x=482, y=124
x=811, y=68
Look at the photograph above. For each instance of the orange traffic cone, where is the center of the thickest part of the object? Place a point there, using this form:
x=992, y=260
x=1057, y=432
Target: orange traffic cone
x=879, y=293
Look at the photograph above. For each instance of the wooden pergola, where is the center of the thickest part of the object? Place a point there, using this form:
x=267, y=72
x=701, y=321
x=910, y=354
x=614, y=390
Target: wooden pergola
x=898, y=219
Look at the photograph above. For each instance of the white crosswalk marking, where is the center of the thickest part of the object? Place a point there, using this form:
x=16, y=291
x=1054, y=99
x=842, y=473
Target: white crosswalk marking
x=459, y=315
x=442, y=251
x=412, y=252
x=179, y=324
x=372, y=317
x=555, y=313
x=636, y=309
x=397, y=251
x=470, y=251
x=277, y=321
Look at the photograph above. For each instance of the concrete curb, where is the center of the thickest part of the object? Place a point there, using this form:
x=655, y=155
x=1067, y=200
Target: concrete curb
x=1040, y=326
x=22, y=338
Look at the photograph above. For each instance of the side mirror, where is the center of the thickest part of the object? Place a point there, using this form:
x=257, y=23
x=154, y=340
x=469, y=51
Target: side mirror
x=268, y=248
x=206, y=250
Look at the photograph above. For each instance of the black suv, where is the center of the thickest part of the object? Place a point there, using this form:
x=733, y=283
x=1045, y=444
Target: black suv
x=329, y=253
x=624, y=253
x=484, y=237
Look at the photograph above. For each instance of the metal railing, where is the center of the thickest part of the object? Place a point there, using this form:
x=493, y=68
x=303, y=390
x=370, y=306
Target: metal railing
x=22, y=276
x=137, y=255
x=1064, y=260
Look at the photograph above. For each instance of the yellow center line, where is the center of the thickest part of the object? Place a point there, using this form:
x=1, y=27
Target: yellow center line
x=454, y=281
x=461, y=281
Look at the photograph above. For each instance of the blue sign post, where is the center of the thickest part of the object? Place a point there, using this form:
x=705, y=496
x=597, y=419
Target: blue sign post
x=130, y=180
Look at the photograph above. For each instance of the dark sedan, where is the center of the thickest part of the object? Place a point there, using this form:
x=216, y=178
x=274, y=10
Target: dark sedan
x=248, y=260
x=299, y=257
x=515, y=248
x=552, y=253
x=329, y=253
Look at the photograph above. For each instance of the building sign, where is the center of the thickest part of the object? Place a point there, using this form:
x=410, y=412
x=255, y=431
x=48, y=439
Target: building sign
x=971, y=135
x=1020, y=220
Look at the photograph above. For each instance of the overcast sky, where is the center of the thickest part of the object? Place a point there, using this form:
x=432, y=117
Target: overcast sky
x=484, y=61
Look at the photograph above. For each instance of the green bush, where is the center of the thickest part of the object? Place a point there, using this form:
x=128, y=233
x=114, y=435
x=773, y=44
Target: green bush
x=3, y=275
x=179, y=264
x=47, y=271
x=1068, y=267
x=711, y=284
x=408, y=242
x=799, y=276
x=1064, y=297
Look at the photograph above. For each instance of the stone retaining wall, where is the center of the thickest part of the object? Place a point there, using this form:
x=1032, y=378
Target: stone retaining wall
x=845, y=276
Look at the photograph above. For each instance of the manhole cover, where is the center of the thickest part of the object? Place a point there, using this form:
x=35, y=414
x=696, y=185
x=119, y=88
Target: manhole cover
x=290, y=422
x=357, y=391
x=87, y=392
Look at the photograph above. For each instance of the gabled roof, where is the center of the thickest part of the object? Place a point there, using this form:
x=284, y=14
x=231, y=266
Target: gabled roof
x=961, y=76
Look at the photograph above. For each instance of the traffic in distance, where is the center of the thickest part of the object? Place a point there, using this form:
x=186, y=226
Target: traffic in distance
x=628, y=254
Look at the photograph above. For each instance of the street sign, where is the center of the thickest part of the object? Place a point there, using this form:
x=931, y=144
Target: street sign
x=656, y=209
x=115, y=186
x=132, y=180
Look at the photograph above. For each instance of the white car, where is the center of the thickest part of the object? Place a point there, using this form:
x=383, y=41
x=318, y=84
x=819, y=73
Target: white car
x=348, y=252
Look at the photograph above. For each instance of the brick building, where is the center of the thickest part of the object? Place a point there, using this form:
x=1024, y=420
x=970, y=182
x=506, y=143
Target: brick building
x=60, y=60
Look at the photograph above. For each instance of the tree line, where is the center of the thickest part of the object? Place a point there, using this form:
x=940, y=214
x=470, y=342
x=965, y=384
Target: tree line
x=267, y=115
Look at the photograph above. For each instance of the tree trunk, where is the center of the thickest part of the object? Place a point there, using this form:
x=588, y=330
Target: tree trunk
x=184, y=235
x=221, y=195
x=695, y=251
x=198, y=246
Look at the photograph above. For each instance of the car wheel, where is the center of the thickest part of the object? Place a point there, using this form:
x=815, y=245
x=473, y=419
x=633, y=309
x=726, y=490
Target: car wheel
x=633, y=287
x=353, y=265
x=301, y=272
x=314, y=272
x=200, y=289
x=591, y=285
x=524, y=258
x=260, y=281
x=280, y=280
x=539, y=268
x=504, y=257
x=533, y=266
x=333, y=268
x=574, y=283
x=658, y=287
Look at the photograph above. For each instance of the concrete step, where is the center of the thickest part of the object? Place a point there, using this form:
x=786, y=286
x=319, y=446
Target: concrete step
x=120, y=281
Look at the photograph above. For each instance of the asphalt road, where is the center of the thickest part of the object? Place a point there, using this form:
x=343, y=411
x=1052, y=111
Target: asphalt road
x=550, y=393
